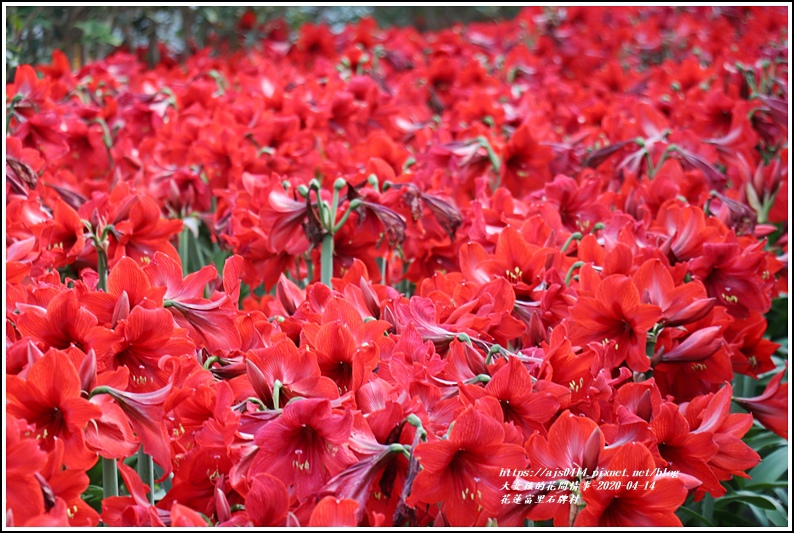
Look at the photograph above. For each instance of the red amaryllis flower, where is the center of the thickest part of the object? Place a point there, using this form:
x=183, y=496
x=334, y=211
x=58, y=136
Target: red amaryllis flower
x=735, y=276
x=139, y=342
x=512, y=385
x=711, y=413
x=616, y=314
x=640, y=507
x=378, y=476
x=24, y=460
x=345, y=345
x=63, y=324
x=686, y=228
x=111, y=435
x=145, y=232
x=462, y=472
x=296, y=371
x=63, y=236
x=210, y=322
x=574, y=442
x=564, y=367
x=145, y=413
x=686, y=451
x=57, y=516
x=520, y=262
x=43, y=131
x=126, y=280
x=333, y=512
x=202, y=479
x=134, y=510
x=340, y=359
x=578, y=205
x=750, y=352
x=771, y=407
x=680, y=305
x=525, y=162
x=50, y=401
x=283, y=217
x=68, y=484
x=305, y=446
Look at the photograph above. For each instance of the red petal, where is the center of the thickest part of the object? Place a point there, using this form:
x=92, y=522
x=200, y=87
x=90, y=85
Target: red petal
x=267, y=502
x=331, y=512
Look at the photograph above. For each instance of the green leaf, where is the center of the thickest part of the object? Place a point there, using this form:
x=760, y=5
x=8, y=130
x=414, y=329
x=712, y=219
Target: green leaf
x=686, y=515
x=777, y=318
x=98, y=31
x=771, y=468
x=93, y=496
x=777, y=518
x=764, y=439
x=726, y=518
x=761, y=501
x=760, y=516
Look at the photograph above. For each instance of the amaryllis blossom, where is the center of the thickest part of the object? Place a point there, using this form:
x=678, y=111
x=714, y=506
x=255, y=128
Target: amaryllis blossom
x=145, y=232
x=138, y=343
x=305, y=446
x=770, y=406
x=734, y=276
x=461, y=472
x=49, y=400
x=616, y=314
x=25, y=498
x=210, y=322
x=286, y=217
x=128, y=286
x=621, y=507
x=62, y=324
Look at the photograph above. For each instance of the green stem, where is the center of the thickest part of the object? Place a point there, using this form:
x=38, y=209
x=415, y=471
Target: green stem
x=277, y=394
x=334, y=205
x=495, y=162
x=210, y=360
x=323, y=210
x=327, y=259
x=353, y=205
x=652, y=170
x=102, y=268
x=146, y=472
x=495, y=349
x=184, y=251
x=708, y=508
x=110, y=477
x=257, y=401
x=575, y=235
x=110, y=470
x=574, y=266
x=309, y=270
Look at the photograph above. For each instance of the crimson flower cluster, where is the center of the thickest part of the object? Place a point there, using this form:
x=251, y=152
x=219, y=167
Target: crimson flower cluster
x=540, y=245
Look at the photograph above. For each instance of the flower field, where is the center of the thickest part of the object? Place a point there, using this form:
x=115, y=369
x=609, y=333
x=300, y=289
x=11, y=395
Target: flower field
x=512, y=273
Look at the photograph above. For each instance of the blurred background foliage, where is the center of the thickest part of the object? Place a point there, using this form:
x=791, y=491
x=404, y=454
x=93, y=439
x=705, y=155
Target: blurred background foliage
x=90, y=32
